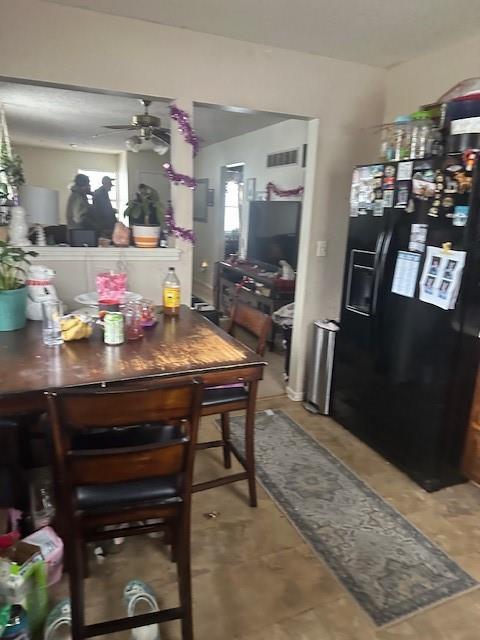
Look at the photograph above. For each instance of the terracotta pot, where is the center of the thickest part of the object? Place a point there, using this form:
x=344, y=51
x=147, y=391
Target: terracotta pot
x=146, y=236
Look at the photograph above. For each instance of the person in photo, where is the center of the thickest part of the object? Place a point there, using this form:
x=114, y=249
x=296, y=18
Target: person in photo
x=429, y=282
x=450, y=268
x=444, y=286
x=433, y=271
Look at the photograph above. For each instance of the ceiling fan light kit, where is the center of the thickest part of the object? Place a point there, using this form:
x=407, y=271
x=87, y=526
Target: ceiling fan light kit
x=133, y=143
x=147, y=129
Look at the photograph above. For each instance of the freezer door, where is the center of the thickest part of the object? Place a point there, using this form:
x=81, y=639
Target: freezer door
x=354, y=349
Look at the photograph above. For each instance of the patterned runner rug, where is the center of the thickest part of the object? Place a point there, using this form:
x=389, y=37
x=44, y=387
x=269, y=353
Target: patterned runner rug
x=390, y=568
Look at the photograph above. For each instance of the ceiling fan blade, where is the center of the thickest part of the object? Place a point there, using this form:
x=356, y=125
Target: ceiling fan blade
x=162, y=134
x=103, y=134
x=123, y=127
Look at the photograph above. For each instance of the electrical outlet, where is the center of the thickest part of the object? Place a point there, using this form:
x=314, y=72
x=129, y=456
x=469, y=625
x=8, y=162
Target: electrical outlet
x=321, y=248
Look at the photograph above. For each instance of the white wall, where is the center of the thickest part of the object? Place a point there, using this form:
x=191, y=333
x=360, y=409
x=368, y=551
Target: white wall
x=52, y=43
x=251, y=149
x=147, y=166
x=56, y=168
x=425, y=79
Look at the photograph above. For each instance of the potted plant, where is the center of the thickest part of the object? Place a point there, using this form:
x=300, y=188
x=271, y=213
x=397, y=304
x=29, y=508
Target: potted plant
x=4, y=202
x=13, y=292
x=145, y=213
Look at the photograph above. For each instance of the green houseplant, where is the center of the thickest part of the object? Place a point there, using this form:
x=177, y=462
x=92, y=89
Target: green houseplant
x=146, y=216
x=13, y=292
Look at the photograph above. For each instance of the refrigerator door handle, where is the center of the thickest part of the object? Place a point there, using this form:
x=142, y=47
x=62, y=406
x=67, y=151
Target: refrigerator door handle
x=381, y=252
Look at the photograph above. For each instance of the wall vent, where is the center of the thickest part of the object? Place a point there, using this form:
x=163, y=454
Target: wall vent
x=282, y=158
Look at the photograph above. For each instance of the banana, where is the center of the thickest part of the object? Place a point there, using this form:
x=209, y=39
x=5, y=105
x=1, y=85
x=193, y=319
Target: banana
x=73, y=328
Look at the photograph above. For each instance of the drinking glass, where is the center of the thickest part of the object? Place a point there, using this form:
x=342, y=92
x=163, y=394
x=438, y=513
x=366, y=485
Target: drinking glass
x=51, y=331
x=133, y=320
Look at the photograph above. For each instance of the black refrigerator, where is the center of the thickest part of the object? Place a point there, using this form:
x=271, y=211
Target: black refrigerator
x=406, y=357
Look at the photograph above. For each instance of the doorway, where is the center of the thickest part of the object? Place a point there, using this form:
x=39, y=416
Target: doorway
x=233, y=189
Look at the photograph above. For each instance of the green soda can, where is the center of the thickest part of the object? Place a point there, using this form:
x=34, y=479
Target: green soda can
x=113, y=328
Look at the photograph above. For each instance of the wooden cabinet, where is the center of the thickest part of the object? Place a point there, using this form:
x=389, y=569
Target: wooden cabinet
x=253, y=286
x=471, y=454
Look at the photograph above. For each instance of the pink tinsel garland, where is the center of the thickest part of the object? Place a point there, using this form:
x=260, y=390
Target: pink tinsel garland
x=283, y=193
x=184, y=126
x=186, y=234
x=179, y=178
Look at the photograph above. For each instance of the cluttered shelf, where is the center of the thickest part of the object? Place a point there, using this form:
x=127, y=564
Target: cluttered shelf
x=252, y=285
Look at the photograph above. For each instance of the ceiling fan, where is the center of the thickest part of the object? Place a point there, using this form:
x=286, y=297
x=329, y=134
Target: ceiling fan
x=147, y=128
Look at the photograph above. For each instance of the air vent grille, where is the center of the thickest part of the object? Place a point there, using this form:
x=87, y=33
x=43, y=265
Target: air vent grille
x=282, y=158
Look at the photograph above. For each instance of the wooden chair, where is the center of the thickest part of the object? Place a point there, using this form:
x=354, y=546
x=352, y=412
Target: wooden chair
x=224, y=399
x=144, y=474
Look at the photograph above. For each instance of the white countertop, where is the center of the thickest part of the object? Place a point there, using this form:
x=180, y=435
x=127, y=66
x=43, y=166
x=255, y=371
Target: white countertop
x=105, y=253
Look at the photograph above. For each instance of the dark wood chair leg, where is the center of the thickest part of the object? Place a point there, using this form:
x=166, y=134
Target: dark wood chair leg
x=225, y=423
x=250, y=442
x=76, y=569
x=86, y=568
x=185, y=584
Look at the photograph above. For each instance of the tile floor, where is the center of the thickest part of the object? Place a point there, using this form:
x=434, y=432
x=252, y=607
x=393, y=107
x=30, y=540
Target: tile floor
x=256, y=579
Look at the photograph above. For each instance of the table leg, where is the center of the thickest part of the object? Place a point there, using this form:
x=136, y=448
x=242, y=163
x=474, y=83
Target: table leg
x=250, y=442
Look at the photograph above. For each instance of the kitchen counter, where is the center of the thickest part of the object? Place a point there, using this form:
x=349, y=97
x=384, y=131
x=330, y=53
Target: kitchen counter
x=76, y=268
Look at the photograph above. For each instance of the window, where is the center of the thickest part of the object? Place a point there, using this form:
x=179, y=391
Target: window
x=95, y=178
x=232, y=213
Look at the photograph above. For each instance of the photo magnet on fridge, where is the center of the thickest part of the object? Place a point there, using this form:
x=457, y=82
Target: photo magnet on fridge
x=460, y=216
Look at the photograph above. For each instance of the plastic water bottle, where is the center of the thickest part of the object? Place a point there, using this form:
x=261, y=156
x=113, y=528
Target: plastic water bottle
x=171, y=293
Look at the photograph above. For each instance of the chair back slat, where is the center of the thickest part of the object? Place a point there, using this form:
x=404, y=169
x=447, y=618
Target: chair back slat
x=110, y=466
x=119, y=407
x=253, y=321
x=72, y=412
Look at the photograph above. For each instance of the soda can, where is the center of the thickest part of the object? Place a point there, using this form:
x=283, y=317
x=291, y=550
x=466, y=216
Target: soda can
x=113, y=328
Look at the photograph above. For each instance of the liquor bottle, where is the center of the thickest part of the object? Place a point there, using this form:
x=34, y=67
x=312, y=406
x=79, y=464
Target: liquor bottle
x=171, y=293
x=163, y=239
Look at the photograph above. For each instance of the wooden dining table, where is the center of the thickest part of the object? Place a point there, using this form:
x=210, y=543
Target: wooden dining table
x=183, y=347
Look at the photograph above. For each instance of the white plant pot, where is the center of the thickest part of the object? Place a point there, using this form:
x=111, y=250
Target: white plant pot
x=146, y=236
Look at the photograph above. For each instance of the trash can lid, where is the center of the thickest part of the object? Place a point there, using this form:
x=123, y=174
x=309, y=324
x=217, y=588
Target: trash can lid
x=329, y=325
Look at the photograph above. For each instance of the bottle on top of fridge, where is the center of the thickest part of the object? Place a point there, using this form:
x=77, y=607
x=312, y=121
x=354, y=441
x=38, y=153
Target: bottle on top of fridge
x=171, y=293
x=420, y=141
x=402, y=136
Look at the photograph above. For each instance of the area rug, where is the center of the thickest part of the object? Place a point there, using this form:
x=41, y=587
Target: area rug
x=390, y=568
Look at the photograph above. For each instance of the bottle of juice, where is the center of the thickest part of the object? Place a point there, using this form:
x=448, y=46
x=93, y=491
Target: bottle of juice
x=171, y=293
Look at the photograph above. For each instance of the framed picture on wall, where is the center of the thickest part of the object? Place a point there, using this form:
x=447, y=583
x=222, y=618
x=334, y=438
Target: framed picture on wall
x=200, y=200
x=251, y=185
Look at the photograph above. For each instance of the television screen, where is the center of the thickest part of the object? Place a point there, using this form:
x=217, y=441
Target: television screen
x=273, y=230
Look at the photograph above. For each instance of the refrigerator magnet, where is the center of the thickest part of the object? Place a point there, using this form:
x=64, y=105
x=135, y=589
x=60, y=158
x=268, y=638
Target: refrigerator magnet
x=388, y=199
x=422, y=189
x=460, y=216
x=448, y=205
x=405, y=170
x=402, y=196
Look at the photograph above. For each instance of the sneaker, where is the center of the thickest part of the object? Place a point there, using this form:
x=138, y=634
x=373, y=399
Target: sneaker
x=58, y=625
x=139, y=599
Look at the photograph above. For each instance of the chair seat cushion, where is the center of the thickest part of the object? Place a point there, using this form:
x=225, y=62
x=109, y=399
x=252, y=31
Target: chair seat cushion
x=223, y=395
x=103, y=497
x=160, y=490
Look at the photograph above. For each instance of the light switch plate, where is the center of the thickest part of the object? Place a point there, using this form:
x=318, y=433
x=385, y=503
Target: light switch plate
x=321, y=248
